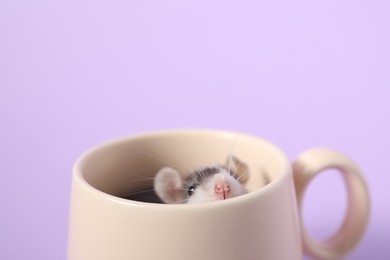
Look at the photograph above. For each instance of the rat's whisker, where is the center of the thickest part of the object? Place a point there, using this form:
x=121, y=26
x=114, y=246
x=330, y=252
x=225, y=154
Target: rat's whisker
x=181, y=201
x=138, y=192
x=239, y=178
x=143, y=178
x=235, y=172
x=231, y=151
x=190, y=182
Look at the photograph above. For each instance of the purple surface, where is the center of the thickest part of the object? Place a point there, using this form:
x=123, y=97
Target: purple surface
x=299, y=73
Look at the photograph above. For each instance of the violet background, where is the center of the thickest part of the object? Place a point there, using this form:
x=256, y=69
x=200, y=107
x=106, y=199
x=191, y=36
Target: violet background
x=298, y=73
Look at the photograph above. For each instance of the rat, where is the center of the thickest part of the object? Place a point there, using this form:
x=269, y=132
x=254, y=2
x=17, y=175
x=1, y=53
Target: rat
x=210, y=183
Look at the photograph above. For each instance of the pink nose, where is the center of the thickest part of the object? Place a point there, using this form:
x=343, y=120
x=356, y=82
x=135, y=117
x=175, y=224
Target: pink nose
x=222, y=189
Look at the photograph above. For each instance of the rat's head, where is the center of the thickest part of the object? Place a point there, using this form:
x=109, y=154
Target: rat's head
x=210, y=184
x=204, y=184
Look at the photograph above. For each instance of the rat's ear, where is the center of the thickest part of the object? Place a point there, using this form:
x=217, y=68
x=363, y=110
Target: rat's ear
x=238, y=168
x=168, y=185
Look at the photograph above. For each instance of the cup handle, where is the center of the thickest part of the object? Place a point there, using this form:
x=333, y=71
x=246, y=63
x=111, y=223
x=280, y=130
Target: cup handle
x=305, y=168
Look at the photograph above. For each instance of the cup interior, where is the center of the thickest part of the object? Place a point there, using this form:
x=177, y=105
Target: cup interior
x=126, y=167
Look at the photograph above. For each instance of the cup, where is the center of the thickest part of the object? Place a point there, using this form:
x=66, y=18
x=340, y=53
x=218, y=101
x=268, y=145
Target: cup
x=264, y=224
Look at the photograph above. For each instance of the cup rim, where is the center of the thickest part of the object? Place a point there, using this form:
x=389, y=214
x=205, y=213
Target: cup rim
x=79, y=178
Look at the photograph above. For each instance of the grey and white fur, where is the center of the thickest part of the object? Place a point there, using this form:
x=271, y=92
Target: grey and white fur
x=210, y=183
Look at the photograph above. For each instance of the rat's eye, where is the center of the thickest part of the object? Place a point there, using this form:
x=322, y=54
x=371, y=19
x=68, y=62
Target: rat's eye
x=191, y=190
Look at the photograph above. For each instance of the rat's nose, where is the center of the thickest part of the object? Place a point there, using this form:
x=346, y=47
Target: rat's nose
x=222, y=188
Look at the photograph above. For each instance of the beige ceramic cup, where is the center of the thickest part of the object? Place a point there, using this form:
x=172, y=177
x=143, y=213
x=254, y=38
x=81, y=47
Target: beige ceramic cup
x=264, y=224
